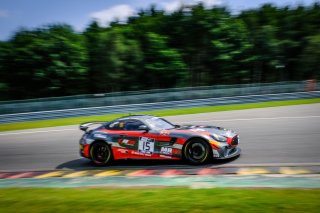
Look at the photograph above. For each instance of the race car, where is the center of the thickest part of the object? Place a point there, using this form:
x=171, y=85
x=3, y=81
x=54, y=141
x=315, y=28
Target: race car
x=151, y=137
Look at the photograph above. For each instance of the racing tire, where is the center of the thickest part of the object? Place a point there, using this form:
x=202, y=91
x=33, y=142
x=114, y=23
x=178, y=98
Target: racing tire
x=197, y=151
x=100, y=153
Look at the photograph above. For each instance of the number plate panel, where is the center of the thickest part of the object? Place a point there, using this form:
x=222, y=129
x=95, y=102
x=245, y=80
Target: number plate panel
x=146, y=145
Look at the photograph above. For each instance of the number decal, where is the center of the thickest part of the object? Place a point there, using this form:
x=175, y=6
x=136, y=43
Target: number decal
x=146, y=145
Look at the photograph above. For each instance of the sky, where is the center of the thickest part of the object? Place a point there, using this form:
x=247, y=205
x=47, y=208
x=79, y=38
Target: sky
x=30, y=14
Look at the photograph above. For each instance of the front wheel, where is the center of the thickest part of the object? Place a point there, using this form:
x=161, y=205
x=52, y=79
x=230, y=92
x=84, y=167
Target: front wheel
x=100, y=153
x=197, y=151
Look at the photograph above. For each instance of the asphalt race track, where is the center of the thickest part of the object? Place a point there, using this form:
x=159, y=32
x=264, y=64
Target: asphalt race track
x=270, y=136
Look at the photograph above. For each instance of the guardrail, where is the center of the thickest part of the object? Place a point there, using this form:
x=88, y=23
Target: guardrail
x=150, y=96
x=134, y=108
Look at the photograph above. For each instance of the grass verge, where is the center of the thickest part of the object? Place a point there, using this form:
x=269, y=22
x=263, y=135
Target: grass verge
x=158, y=200
x=169, y=112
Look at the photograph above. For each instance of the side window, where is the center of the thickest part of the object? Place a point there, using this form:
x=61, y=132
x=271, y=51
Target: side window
x=132, y=125
x=116, y=125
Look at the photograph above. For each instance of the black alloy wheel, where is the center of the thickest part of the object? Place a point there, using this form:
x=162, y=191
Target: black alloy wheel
x=197, y=151
x=100, y=153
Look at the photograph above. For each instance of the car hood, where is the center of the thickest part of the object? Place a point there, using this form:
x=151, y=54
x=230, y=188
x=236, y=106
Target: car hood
x=208, y=130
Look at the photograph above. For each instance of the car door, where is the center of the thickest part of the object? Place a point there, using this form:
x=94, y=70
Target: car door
x=164, y=143
x=139, y=143
x=143, y=144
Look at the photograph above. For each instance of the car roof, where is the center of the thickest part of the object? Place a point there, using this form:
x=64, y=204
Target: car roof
x=138, y=117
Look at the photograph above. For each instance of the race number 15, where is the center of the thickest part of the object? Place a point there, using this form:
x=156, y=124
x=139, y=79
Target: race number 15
x=146, y=145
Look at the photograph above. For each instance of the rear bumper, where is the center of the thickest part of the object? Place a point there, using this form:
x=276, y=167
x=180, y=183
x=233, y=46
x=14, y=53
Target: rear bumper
x=84, y=150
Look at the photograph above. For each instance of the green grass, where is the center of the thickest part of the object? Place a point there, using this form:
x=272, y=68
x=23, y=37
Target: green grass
x=183, y=111
x=155, y=200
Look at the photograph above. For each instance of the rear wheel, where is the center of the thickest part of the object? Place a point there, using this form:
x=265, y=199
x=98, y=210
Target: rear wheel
x=100, y=153
x=197, y=151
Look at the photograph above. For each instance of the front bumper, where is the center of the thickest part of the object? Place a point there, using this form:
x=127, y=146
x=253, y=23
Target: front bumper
x=229, y=153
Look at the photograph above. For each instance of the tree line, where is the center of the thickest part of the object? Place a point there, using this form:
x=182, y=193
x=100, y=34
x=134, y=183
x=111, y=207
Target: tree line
x=193, y=46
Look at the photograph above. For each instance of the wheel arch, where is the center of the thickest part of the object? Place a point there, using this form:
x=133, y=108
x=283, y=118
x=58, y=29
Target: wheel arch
x=190, y=139
x=97, y=141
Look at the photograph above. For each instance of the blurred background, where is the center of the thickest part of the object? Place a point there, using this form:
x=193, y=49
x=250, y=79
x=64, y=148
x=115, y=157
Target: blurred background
x=66, y=62
x=142, y=45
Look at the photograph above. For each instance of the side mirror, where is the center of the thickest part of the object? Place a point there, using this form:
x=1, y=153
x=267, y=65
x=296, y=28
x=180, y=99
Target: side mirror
x=143, y=127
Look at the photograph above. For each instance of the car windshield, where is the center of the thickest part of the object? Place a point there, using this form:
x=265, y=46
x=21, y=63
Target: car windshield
x=159, y=123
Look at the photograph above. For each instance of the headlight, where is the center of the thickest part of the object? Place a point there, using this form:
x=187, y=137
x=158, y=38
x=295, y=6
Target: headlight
x=219, y=138
x=83, y=139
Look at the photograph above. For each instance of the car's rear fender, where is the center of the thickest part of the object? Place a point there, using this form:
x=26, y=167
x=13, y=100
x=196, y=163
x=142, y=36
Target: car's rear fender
x=96, y=141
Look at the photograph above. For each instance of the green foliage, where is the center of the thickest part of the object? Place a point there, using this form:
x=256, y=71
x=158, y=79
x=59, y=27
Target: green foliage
x=310, y=60
x=163, y=65
x=45, y=62
x=190, y=47
x=114, y=59
x=231, y=48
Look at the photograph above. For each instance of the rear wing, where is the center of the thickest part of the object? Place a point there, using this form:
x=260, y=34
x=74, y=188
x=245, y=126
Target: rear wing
x=84, y=127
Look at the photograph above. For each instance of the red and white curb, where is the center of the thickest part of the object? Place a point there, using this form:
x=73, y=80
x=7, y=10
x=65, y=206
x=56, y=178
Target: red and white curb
x=240, y=171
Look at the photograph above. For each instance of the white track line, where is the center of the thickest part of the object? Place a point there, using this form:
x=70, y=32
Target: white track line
x=32, y=132
x=252, y=119
x=267, y=165
x=203, y=121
